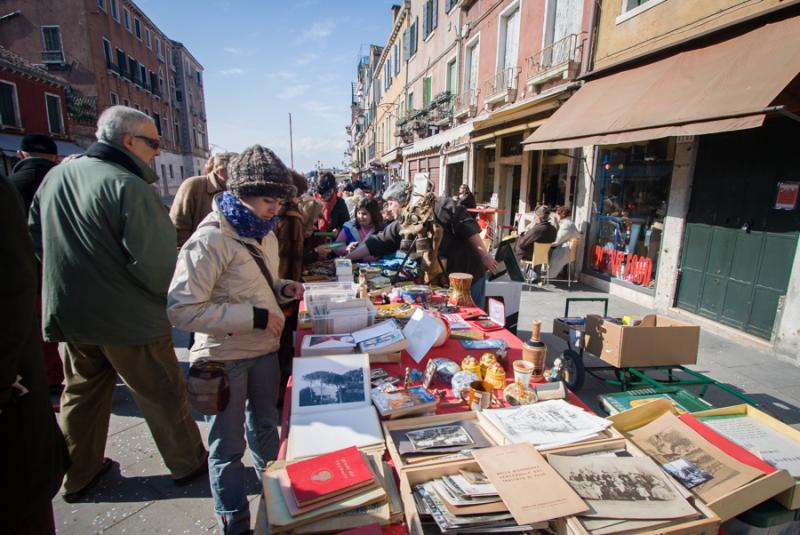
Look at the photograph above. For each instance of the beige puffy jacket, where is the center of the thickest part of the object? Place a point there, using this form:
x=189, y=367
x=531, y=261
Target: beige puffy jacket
x=215, y=287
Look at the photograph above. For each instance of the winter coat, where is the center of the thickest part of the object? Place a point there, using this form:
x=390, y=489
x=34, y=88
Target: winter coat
x=107, y=248
x=27, y=176
x=218, y=288
x=290, y=234
x=538, y=233
x=338, y=216
x=567, y=231
x=193, y=203
x=33, y=454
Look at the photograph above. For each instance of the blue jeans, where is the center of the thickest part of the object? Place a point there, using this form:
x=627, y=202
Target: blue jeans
x=478, y=292
x=252, y=409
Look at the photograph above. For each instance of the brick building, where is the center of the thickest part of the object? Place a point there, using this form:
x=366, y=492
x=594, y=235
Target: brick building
x=109, y=52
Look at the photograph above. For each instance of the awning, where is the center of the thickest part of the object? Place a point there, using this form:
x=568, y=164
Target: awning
x=722, y=87
x=10, y=143
x=437, y=140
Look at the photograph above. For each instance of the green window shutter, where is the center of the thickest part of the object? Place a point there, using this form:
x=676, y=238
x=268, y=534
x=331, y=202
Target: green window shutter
x=426, y=92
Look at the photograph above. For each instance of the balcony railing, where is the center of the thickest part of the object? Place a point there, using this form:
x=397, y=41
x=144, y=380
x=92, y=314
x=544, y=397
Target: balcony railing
x=82, y=108
x=500, y=85
x=554, y=60
x=466, y=102
x=52, y=56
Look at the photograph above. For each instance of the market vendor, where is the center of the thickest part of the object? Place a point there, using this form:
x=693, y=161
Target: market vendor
x=460, y=247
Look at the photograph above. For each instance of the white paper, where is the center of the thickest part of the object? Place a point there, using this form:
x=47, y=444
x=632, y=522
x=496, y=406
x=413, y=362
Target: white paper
x=379, y=329
x=421, y=331
x=497, y=311
x=310, y=435
x=761, y=440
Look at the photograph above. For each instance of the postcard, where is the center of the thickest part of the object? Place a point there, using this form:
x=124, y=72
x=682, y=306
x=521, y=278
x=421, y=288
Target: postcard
x=439, y=437
x=489, y=343
x=686, y=472
x=476, y=439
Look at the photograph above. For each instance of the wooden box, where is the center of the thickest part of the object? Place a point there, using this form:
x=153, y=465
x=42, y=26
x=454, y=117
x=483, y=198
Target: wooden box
x=657, y=341
x=731, y=504
x=707, y=524
x=789, y=498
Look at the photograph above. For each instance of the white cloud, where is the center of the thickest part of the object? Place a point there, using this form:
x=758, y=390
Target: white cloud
x=233, y=50
x=235, y=71
x=280, y=75
x=317, y=32
x=305, y=59
x=293, y=91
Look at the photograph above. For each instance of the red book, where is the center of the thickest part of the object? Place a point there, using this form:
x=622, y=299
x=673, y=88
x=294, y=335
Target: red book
x=731, y=448
x=327, y=475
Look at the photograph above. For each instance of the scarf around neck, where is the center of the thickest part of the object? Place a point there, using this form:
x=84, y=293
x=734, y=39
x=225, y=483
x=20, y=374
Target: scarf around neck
x=244, y=221
x=327, y=210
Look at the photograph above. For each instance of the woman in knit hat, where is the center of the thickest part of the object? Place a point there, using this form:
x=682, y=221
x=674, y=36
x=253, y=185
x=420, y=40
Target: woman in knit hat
x=226, y=288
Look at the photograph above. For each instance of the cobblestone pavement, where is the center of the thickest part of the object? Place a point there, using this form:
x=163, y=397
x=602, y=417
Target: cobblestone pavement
x=137, y=496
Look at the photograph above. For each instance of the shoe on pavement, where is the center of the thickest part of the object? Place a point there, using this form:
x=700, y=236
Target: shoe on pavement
x=194, y=474
x=72, y=497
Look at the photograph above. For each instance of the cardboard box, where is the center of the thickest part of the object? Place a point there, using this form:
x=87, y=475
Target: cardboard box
x=731, y=504
x=789, y=498
x=707, y=524
x=562, y=329
x=423, y=421
x=657, y=341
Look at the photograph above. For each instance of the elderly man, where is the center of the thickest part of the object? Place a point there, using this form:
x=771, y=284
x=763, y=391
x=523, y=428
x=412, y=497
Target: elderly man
x=541, y=232
x=108, y=250
x=193, y=200
x=461, y=245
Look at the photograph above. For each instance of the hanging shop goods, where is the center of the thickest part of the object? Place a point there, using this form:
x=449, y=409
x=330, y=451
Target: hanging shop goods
x=535, y=351
x=460, y=295
x=631, y=194
x=421, y=236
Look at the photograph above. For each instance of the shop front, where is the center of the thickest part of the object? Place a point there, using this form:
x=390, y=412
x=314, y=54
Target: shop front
x=630, y=199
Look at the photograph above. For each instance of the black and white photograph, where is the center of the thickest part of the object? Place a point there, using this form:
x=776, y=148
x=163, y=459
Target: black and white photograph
x=330, y=382
x=689, y=474
x=438, y=437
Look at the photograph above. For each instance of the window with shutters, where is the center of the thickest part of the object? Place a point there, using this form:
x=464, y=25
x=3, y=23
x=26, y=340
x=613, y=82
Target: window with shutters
x=157, y=120
x=430, y=15
x=413, y=37
x=115, y=10
x=121, y=63
x=55, y=120
x=396, y=58
x=427, y=84
x=410, y=102
x=472, y=57
x=137, y=28
x=114, y=99
x=101, y=4
x=107, y=53
x=407, y=44
x=52, y=50
x=509, y=38
x=147, y=38
x=126, y=18
x=143, y=75
x=9, y=105
x=452, y=75
x=449, y=5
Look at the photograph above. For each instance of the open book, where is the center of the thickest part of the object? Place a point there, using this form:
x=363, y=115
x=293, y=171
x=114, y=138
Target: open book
x=331, y=406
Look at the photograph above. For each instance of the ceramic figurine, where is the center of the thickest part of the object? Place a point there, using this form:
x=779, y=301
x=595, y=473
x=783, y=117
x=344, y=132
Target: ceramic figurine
x=556, y=373
x=471, y=364
x=496, y=376
x=487, y=359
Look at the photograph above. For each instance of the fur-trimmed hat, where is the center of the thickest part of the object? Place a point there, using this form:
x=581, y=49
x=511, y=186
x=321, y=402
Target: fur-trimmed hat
x=327, y=182
x=399, y=191
x=258, y=172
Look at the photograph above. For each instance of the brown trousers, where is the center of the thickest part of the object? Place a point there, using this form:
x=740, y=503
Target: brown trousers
x=153, y=376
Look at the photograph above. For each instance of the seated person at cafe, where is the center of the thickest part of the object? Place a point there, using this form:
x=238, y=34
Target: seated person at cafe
x=541, y=232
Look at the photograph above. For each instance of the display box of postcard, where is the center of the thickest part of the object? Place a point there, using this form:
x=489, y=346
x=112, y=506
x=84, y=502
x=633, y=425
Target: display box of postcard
x=702, y=522
x=433, y=440
x=759, y=432
x=727, y=477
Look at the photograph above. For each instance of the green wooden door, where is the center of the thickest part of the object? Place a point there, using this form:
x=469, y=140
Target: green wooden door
x=737, y=250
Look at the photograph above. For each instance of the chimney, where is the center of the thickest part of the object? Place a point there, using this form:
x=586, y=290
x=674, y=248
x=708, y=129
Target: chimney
x=395, y=12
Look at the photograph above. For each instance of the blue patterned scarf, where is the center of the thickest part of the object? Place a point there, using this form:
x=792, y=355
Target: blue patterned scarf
x=246, y=223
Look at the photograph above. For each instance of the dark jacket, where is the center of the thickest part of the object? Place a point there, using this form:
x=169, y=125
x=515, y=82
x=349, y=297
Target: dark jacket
x=339, y=216
x=457, y=225
x=193, y=203
x=109, y=250
x=33, y=454
x=289, y=232
x=538, y=233
x=28, y=175
x=467, y=200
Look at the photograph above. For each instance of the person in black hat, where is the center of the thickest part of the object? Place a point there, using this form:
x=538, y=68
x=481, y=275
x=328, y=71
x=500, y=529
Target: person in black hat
x=38, y=154
x=334, y=210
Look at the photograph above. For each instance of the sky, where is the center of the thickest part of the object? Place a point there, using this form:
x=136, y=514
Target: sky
x=264, y=59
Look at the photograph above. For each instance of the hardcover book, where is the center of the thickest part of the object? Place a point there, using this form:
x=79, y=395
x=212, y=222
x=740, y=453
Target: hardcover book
x=383, y=337
x=327, y=475
x=327, y=344
x=402, y=402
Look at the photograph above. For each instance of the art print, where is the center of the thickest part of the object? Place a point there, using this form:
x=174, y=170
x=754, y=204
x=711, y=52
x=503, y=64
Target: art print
x=330, y=382
x=689, y=474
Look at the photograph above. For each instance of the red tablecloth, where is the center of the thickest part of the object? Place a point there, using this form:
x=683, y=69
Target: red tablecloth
x=451, y=349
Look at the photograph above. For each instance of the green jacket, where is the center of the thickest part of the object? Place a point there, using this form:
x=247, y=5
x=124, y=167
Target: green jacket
x=108, y=250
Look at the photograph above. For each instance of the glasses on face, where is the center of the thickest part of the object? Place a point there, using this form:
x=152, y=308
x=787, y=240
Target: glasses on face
x=154, y=144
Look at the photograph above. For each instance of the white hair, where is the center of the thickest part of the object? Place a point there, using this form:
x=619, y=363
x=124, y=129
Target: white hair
x=117, y=121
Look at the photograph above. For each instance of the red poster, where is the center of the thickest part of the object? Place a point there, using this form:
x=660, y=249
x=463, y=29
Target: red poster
x=787, y=195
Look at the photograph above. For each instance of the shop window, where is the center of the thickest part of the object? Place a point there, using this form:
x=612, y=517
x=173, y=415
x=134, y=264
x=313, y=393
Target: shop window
x=512, y=145
x=632, y=189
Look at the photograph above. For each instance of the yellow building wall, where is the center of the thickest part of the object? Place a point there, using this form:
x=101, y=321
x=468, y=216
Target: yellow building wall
x=395, y=95
x=660, y=23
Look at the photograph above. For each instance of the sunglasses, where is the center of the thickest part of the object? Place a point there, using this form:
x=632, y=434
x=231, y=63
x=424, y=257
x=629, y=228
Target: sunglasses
x=154, y=144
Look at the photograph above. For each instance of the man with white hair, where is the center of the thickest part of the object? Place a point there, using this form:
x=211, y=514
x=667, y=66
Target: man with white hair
x=109, y=249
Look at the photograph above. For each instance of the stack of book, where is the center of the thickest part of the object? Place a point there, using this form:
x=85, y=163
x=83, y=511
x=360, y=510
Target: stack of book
x=341, y=315
x=353, y=487
x=383, y=342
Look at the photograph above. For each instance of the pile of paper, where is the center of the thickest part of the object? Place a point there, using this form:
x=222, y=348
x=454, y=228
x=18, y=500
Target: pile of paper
x=344, y=270
x=545, y=425
x=340, y=315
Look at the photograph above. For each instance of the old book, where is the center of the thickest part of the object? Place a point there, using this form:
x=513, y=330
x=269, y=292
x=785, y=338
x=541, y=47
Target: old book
x=622, y=487
x=331, y=399
x=517, y=469
x=383, y=337
x=667, y=439
x=403, y=402
x=327, y=344
x=328, y=475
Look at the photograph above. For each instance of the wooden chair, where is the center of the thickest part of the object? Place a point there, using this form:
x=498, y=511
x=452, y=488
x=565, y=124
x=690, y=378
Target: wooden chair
x=574, y=243
x=541, y=257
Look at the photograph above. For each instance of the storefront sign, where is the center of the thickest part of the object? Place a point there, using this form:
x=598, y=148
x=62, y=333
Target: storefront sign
x=629, y=266
x=787, y=195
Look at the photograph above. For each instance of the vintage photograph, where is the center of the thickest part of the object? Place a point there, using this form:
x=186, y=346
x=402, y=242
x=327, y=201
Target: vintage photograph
x=613, y=485
x=439, y=437
x=324, y=387
x=689, y=474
